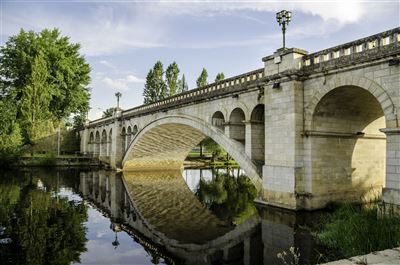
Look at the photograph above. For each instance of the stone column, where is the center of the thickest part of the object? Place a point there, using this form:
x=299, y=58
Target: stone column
x=248, y=139
x=283, y=166
x=391, y=192
x=117, y=152
x=85, y=141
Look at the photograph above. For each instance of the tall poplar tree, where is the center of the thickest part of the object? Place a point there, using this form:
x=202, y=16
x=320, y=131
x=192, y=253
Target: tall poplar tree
x=171, y=76
x=155, y=88
x=202, y=80
x=182, y=85
x=36, y=99
x=219, y=77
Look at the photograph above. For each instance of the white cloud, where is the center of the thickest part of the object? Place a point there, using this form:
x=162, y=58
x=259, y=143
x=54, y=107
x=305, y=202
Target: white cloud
x=122, y=83
x=107, y=63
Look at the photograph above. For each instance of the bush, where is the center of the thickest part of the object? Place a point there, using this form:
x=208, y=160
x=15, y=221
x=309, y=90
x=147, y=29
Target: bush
x=356, y=230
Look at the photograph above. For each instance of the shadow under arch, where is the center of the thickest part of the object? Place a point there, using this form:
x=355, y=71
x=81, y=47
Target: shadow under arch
x=348, y=151
x=164, y=144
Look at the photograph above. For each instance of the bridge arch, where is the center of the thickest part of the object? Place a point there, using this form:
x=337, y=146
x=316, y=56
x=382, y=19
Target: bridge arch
x=103, y=144
x=129, y=135
x=218, y=120
x=91, y=143
x=369, y=85
x=165, y=143
x=123, y=139
x=109, y=147
x=237, y=127
x=348, y=152
x=97, y=143
x=257, y=119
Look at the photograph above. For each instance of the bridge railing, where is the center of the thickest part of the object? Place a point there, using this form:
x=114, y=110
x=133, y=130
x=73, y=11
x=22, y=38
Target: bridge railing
x=352, y=50
x=223, y=86
x=201, y=92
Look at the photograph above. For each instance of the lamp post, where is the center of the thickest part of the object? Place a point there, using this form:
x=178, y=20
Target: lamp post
x=283, y=18
x=118, y=95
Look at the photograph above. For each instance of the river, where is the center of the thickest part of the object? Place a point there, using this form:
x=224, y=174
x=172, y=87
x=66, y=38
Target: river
x=193, y=216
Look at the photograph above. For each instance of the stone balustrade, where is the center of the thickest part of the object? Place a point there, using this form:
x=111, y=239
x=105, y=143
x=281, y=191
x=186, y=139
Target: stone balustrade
x=352, y=52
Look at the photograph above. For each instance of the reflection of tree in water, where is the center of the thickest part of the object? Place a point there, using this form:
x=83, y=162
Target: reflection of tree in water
x=44, y=229
x=229, y=198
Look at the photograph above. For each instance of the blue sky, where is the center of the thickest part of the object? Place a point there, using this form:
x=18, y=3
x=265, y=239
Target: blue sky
x=122, y=40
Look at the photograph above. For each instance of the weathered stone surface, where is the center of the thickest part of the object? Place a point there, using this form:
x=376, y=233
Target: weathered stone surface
x=318, y=141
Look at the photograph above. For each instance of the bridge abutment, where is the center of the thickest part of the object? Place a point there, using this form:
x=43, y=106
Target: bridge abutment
x=283, y=169
x=391, y=191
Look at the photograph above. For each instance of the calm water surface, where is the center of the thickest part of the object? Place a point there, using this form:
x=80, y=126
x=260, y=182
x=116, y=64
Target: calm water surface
x=195, y=216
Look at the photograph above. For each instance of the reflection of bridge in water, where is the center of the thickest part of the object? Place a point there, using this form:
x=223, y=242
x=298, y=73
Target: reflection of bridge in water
x=161, y=212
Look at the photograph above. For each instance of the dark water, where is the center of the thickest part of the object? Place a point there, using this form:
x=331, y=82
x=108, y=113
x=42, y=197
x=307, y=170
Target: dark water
x=100, y=217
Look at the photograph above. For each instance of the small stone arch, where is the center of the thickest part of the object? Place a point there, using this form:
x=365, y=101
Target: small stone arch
x=91, y=143
x=97, y=143
x=257, y=122
x=241, y=106
x=237, y=128
x=129, y=135
x=358, y=81
x=134, y=130
x=218, y=120
x=103, y=151
x=123, y=138
x=109, y=148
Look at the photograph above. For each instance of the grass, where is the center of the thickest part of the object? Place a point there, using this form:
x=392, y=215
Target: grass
x=356, y=230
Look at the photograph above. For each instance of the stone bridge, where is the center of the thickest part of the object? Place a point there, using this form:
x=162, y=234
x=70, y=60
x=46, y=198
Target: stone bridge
x=307, y=129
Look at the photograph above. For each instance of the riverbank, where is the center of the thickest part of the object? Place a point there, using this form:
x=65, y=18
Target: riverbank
x=388, y=256
x=53, y=161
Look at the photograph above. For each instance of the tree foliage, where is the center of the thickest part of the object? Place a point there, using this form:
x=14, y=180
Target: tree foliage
x=202, y=80
x=44, y=78
x=35, y=100
x=219, y=77
x=182, y=85
x=155, y=88
x=108, y=112
x=171, y=76
x=68, y=72
x=10, y=132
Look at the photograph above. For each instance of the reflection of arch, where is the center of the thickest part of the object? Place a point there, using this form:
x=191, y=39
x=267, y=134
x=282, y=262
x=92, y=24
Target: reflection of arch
x=123, y=139
x=109, y=143
x=165, y=143
x=97, y=143
x=129, y=135
x=257, y=133
x=103, y=151
x=347, y=149
x=165, y=212
x=237, y=130
x=218, y=120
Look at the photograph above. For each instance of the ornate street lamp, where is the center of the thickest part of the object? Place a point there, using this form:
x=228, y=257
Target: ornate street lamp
x=118, y=95
x=283, y=18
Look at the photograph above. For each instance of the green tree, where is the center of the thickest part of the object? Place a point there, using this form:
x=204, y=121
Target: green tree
x=214, y=148
x=182, y=85
x=108, y=112
x=68, y=72
x=10, y=133
x=35, y=100
x=219, y=77
x=202, y=80
x=155, y=88
x=171, y=76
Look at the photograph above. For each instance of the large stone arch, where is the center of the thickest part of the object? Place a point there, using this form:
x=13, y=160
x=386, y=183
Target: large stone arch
x=347, y=151
x=165, y=143
x=371, y=86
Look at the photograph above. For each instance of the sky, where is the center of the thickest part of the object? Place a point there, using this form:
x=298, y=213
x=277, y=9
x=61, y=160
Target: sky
x=122, y=40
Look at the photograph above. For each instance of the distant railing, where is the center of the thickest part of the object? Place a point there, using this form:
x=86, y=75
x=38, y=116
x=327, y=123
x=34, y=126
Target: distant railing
x=390, y=37
x=192, y=95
